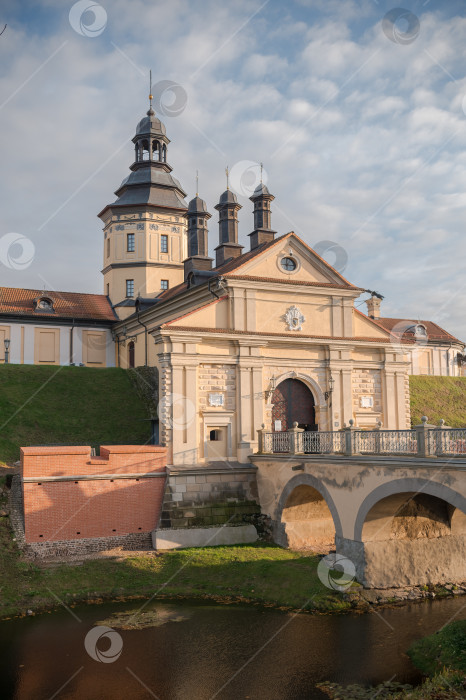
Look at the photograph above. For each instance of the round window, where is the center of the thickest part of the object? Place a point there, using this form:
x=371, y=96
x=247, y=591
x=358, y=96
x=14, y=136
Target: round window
x=288, y=264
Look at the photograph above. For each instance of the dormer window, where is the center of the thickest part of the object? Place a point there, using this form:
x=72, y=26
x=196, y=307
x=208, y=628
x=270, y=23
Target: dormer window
x=420, y=331
x=44, y=305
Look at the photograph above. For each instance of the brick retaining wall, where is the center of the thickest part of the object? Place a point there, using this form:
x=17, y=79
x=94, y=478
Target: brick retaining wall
x=69, y=495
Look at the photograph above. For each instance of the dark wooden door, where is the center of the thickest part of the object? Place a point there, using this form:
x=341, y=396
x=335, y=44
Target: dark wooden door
x=293, y=402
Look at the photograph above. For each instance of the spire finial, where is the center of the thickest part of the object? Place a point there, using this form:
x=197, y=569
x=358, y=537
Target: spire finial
x=197, y=183
x=151, y=97
x=227, y=173
x=262, y=167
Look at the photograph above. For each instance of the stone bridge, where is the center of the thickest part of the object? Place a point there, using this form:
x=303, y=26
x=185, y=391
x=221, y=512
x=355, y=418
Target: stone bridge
x=400, y=519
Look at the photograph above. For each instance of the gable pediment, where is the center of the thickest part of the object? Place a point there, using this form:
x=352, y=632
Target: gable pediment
x=290, y=259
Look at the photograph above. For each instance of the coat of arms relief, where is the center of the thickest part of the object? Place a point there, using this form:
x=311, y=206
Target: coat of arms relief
x=294, y=319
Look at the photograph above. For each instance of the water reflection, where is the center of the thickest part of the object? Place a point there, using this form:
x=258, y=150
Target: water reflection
x=201, y=652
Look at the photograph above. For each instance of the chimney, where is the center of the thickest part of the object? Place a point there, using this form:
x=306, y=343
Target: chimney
x=198, y=247
x=262, y=233
x=228, y=247
x=373, y=305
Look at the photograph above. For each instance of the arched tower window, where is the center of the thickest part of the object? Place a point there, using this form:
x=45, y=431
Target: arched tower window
x=156, y=154
x=145, y=150
x=164, y=153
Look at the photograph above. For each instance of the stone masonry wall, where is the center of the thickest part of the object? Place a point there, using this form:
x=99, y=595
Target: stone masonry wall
x=205, y=497
x=217, y=379
x=367, y=382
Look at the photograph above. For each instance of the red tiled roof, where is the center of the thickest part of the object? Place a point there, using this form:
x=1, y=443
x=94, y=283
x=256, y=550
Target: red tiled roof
x=333, y=285
x=401, y=326
x=20, y=302
x=241, y=260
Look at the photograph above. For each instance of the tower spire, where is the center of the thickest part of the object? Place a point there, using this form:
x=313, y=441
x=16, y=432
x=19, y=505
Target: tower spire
x=151, y=97
x=227, y=173
x=197, y=183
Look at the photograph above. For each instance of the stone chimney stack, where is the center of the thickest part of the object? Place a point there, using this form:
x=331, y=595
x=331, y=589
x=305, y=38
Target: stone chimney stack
x=198, y=251
x=373, y=306
x=228, y=247
x=263, y=232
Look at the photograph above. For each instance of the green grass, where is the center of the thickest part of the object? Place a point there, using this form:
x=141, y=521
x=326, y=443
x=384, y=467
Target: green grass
x=438, y=397
x=257, y=573
x=447, y=685
x=444, y=649
x=442, y=656
x=67, y=405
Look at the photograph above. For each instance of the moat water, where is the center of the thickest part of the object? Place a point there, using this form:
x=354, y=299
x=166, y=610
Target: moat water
x=200, y=651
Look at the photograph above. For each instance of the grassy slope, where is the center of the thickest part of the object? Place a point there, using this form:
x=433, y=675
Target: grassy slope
x=446, y=648
x=259, y=573
x=77, y=405
x=438, y=397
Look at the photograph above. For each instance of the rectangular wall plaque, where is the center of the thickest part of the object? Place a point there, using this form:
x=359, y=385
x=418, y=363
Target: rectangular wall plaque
x=216, y=399
x=366, y=401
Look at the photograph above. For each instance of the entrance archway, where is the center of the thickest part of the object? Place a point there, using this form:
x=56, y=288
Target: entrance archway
x=293, y=402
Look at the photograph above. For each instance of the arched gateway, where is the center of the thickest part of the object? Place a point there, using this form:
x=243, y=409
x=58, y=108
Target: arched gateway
x=293, y=402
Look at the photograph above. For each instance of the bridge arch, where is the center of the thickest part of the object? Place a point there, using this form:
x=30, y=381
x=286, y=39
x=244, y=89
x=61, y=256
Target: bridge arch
x=411, y=532
x=306, y=515
x=402, y=487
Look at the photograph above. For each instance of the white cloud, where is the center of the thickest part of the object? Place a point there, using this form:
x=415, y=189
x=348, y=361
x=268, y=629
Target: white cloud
x=363, y=140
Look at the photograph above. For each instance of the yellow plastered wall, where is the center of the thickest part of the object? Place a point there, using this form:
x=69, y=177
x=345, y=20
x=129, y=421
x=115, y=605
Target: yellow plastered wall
x=363, y=327
x=94, y=348
x=46, y=346
x=4, y=334
x=268, y=265
x=215, y=315
x=147, y=281
x=271, y=306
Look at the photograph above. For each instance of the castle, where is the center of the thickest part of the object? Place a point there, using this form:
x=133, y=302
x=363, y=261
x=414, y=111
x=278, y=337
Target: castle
x=265, y=336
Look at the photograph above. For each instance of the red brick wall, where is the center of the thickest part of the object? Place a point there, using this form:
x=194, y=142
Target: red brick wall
x=71, y=507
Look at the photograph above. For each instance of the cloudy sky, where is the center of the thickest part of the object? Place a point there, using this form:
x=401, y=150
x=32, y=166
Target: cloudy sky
x=356, y=110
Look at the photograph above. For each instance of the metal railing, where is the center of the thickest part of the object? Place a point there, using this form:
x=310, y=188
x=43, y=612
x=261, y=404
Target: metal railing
x=422, y=441
x=325, y=442
x=277, y=442
x=385, y=442
x=447, y=441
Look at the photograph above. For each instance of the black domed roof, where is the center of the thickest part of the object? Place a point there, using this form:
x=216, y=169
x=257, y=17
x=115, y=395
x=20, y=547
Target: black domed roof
x=228, y=197
x=197, y=205
x=260, y=190
x=150, y=124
